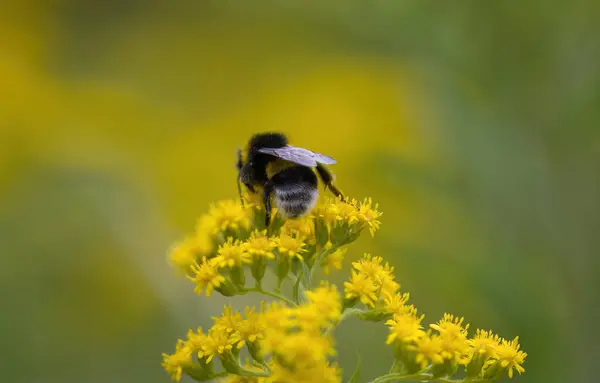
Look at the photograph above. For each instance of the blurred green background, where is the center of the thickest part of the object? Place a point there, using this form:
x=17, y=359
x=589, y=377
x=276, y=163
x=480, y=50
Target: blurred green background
x=474, y=124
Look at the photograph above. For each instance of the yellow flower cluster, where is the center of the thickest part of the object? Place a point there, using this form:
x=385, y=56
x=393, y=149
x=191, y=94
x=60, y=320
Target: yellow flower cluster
x=290, y=340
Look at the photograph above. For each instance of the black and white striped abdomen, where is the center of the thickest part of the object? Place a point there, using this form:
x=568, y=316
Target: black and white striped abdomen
x=295, y=200
x=295, y=190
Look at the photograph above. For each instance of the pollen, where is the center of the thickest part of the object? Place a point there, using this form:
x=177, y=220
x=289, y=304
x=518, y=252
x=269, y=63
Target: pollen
x=232, y=254
x=260, y=246
x=206, y=276
x=293, y=247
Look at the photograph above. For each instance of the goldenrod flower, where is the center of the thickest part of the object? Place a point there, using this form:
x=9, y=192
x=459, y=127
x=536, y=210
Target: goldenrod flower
x=289, y=246
x=326, y=302
x=396, y=304
x=405, y=328
x=252, y=328
x=183, y=254
x=259, y=245
x=174, y=364
x=218, y=343
x=334, y=260
x=291, y=341
x=509, y=357
x=428, y=349
x=369, y=215
x=206, y=276
x=195, y=340
x=224, y=217
x=301, y=227
x=229, y=321
x=484, y=344
x=362, y=287
x=373, y=267
x=451, y=325
x=232, y=254
x=303, y=350
x=320, y=373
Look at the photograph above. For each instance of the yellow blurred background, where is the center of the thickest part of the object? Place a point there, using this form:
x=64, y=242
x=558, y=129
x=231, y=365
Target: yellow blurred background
x=474, y=124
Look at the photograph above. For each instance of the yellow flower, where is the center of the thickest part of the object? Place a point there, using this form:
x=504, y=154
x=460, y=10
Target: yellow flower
x=195, y=340
x=484, y=344
x=396, y=304
x=428, y=349
x=369, y=215
x=260, y=246
x=380, y=272
x=183, y=254
x=319, y=373
x=229, y=320
x=373, y=267
x=290, y=246
x=362, y=287
x=405, y=328
x=231, y=254
x=218, y=343
x=334, y=260
x=325, y=300
x=509, y=356
x=174, y=364
x=206, y=276
x=225, y=216
x=252, y=328
x=454, y=338
x=301, y=227
x=451, y=325
x=304, y=350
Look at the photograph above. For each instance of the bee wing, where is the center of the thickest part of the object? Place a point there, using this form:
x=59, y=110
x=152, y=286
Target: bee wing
x=299, y=156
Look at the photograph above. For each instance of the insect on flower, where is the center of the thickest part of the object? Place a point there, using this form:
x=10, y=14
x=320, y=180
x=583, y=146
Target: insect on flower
x=287, y=172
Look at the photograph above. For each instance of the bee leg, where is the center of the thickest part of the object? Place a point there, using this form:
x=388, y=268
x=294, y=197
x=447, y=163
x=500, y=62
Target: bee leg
x=327, y=179
x=239, y=186
x=267, y=201
x=238, y=165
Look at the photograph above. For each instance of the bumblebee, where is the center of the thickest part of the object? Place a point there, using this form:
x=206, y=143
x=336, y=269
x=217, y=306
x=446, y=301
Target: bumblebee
x=285, y=172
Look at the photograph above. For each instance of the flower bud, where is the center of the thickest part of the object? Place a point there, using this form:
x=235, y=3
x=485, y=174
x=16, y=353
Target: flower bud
x=258, y=268
x=238, y=277
x=226, y=288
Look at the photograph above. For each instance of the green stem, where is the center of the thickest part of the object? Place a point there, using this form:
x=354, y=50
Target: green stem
x=346, y=314
x=394, y=377
x=246, y=372
x=318, y=260
x=268, y=293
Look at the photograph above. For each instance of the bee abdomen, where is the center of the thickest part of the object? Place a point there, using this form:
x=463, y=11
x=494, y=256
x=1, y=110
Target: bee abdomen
x=294, y=203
